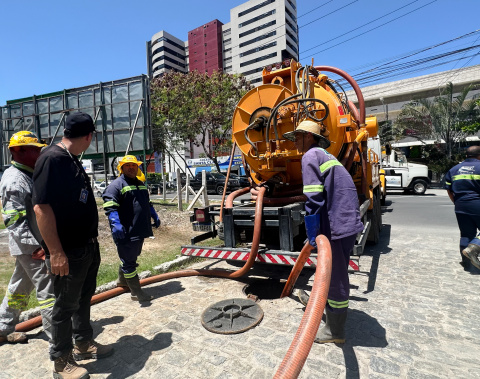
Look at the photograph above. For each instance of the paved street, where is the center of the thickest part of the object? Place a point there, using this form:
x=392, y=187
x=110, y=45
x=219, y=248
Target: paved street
x=413, y=314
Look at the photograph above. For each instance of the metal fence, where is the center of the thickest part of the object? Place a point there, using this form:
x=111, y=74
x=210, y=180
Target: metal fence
x=120, y=110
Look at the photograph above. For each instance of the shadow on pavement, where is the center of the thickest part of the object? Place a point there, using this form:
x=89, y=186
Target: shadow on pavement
x=382, y=247
x=131, y=352
x=361, y=330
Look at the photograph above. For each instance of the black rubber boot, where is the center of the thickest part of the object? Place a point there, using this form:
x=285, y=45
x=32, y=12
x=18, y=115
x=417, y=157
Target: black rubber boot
x=136, y=289
x=121, y=281
x=334, y=328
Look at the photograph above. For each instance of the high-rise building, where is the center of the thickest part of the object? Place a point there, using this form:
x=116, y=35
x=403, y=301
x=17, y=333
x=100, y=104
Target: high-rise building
x=166, y=52
x=260, y=33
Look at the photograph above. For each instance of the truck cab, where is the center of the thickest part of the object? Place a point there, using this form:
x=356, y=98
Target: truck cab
x=402, y=175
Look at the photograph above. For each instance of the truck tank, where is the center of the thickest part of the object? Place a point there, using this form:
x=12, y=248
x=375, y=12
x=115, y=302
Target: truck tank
x=288, y=96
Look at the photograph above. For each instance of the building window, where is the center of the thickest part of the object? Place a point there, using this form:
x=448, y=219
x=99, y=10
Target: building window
x=227, y=32
x=291, y=35
x=257, y=49
x=258, y=59
x=204, y=35
x=258, y=6
x=228, y=68
x=245, y=23
x=227, y=50
x=257, y=28
x=287, y=11
x=228, y=41
x=259, y=38
x=255, y=80
x=292, y=5
x=205, y=53
x=254, y=71
x=227, y=60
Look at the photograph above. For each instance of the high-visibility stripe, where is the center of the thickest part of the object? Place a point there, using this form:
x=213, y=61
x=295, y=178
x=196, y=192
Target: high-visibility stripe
x=133, y=188
x=11, y=217
x=110, y=204
x=467, y=177
x=130, y=275
x=128, y=188
x=313, y=188
x=448, y=183
x=47, y=303
x=338, y=304
x=327, y=165
x=22, y=166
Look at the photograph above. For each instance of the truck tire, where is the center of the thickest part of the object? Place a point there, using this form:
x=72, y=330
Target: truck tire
x=419, y=187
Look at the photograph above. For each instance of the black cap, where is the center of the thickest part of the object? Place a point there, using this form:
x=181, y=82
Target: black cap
x=78, y=124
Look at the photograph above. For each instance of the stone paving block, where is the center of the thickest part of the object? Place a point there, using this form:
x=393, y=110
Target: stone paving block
x=384, y=366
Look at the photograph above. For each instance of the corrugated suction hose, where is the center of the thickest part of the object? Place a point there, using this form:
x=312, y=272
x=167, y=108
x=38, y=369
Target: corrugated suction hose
x=297, y=354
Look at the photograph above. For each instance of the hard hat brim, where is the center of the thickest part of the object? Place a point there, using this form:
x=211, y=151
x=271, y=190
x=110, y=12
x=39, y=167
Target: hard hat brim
x=28, y=144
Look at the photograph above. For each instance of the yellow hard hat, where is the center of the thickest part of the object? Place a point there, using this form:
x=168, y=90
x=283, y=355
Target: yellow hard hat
x=131, y=159
x=25, y=138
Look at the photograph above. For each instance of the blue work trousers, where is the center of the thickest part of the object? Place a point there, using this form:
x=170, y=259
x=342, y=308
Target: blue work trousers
x=339, y=291
x=469, y=225
x=73, y=292
x=128, y=253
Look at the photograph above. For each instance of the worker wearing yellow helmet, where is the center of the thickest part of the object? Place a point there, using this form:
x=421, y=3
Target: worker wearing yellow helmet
x=30, y=269
x=129, y=210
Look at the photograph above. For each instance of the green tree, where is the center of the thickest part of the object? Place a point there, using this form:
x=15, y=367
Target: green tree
x=447, y=117
x=195, y=107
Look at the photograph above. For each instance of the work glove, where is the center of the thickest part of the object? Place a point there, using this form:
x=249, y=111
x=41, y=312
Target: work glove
x=312, y=226
x=118, y=231
x=156, y=220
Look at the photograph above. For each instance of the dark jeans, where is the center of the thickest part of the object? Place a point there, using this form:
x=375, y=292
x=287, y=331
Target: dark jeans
x=128, y=253
x=469, y=225
x=73, y=292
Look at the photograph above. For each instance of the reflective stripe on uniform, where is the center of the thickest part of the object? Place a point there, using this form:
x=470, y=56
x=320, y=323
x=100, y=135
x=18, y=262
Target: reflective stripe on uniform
x=17, y=301
x=11, y=217
x=448, y=183
x=329, y=164
x=47, y=303
x=130, y=275
x=110, y=204
x=466, y=176
x=132, y=188
x=313, y=188
x=338, y=304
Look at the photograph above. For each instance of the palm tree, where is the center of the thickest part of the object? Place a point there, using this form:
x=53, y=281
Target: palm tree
x=446, y=118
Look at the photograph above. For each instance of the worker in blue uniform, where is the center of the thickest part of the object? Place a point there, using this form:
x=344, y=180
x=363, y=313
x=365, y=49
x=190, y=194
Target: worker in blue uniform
x=129, y=210
x=332, y=210
x=462, y=183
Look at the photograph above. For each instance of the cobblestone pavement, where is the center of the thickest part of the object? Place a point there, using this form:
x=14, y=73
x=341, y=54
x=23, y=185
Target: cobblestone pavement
x=415, y=316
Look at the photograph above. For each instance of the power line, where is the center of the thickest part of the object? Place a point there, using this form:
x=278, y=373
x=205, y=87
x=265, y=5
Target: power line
x=368, y=23
x=328, y=14
x=379, y=26
x=314, y=9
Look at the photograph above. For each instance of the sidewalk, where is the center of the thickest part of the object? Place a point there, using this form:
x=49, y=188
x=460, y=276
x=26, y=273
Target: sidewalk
x=415, y=316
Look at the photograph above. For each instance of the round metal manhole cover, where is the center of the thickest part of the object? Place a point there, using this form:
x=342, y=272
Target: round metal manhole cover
x=232, y=316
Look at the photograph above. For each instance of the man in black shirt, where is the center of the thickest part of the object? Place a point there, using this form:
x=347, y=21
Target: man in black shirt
x=67, y=217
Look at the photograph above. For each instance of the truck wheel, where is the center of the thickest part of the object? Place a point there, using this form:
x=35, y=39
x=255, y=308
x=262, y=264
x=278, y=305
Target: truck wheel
x=219, y=190
x=419, y=187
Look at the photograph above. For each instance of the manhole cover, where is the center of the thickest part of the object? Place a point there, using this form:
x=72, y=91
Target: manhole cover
x=266, y=289
x=232, y=316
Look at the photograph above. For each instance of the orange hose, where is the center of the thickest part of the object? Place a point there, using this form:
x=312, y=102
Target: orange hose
x=297, y=269
x=234, y=195
x=297, y=354
x=37, y=321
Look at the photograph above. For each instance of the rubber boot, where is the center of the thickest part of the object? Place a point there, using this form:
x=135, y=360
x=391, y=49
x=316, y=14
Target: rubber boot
x=472, y=252
x=65, y=367
x=136, y=289
x=334, y=328
x=121, y=281
x=91, y=350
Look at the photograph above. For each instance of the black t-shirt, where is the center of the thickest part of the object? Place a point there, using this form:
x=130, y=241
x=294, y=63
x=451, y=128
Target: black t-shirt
x=61, y=182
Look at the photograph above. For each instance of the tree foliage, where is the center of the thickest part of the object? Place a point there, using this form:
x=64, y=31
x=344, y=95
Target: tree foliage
x=195, y=107
x=447, y=117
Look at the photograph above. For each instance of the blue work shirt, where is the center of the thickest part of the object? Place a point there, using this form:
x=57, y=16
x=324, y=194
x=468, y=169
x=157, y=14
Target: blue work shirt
x=464, y=181
x=129, y=197
x=330, y=192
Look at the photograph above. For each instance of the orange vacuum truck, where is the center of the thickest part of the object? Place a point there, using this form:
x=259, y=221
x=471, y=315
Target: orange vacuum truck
x=270, y=224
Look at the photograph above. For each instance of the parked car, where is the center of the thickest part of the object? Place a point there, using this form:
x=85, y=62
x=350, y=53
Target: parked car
x=155, y=188
x=99, y=187
x=243, y=180
x=215, y=182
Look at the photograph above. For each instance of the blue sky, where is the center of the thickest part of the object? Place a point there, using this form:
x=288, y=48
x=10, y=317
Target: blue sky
x=52, y=45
